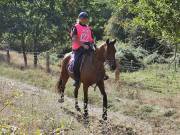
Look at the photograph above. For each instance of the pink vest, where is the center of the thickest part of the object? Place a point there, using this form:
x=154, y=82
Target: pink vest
x=84, y=34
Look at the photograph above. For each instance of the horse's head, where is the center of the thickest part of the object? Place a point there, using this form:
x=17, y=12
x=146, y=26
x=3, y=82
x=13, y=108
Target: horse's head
x=110, y=54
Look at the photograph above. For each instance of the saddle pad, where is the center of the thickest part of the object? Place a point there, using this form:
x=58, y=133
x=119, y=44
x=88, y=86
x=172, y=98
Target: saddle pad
x=71, y=64
x=71, y=61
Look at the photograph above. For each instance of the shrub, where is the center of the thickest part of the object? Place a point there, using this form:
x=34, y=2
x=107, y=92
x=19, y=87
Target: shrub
x=129, y=57
x=155, y=58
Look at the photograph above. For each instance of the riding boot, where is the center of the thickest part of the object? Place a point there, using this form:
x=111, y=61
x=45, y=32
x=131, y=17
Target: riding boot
x=76, y=83
x=77, y=62
x=77, y=78
x=106, y=77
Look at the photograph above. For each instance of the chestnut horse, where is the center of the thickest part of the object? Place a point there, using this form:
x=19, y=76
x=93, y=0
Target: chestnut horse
x=92, y=72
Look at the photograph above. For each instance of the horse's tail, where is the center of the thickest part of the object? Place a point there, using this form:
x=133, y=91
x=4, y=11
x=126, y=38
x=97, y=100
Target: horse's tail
x=63, y=75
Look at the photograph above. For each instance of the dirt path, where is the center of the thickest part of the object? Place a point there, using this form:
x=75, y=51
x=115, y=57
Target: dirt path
x=47, y=101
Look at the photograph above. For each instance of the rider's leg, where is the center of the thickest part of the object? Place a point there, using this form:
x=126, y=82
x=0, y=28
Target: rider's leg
x=77, y=62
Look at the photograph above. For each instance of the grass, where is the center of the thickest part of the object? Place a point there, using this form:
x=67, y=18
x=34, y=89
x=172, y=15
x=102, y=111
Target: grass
x=146, y=94
x=28, y=114
x=35, y=77
x=156, y=77
x=38, y=77
x=149, y=80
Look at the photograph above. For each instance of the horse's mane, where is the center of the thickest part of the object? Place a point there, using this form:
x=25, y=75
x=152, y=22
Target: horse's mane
x=102, y=46
x=100, y=51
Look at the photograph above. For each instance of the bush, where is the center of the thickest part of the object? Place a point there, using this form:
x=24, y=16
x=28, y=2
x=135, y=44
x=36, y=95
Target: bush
x=61, y=50
x=155, y=58
x=129, y=57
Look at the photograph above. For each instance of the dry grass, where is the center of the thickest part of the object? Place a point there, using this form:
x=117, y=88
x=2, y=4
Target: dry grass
x=17, y=60
x=31, y=110
x=151, y=95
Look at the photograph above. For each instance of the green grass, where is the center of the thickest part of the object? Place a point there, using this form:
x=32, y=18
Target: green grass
x=152, y=83
x=35, y=77
x=39, y=78
x=157, y=78
x=145, y=94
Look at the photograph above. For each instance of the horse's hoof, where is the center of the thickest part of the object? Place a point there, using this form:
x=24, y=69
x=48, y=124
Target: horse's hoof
x=86, y=120
x=104, y=117
x=102, y=121
x=78, y=109
x=86, y=116
x=60, y=100
x=86, y=123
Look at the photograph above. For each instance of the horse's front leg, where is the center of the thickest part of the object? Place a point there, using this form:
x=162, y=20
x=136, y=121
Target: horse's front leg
x=102, y=90
x=85, y=89
x=76, y=98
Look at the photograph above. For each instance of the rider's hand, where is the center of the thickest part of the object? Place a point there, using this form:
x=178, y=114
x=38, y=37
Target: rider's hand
x=86, y=47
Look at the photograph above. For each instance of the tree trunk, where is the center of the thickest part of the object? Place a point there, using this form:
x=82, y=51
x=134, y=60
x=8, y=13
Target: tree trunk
x=47, y=63
x=25, y=58
x=8, y=56
x=24, y=51
x=35, y=59
x=175, y=55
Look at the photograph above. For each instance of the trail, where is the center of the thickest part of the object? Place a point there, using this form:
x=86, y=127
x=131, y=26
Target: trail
x=117, y=122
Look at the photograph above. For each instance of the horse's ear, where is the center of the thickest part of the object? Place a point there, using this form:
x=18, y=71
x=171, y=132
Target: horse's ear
x=107, y=41
x=114, y=41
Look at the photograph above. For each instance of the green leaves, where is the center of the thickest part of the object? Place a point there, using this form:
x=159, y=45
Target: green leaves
x=161, y=17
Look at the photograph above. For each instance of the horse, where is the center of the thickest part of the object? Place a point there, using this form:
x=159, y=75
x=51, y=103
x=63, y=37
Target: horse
x=92, y=71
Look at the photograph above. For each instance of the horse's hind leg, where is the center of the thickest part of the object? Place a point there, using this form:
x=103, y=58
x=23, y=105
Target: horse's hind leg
x=61, y=86
x=64, y=76
x=76, y=98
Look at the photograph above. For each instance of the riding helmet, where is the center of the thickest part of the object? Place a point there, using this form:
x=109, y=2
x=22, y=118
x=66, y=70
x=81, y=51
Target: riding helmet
x=83, y=15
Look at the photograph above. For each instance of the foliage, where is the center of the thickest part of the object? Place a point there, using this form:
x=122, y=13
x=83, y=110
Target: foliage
x=154, y=58
x=130, y=57
x=161, y=17
x=130, y=23
x=38, y=26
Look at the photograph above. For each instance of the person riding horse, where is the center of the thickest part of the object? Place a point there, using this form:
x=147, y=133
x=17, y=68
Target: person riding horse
x=82, y=39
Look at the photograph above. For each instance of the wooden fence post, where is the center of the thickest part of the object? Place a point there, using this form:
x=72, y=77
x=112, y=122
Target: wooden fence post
x=8, y=56
x=132, y=65
x=117, y=71
x=35, y=59
x=47, y=62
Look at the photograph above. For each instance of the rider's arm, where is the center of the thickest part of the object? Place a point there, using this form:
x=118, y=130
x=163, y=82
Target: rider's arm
x=94, y=38
x=74, y=36
x=92, y=34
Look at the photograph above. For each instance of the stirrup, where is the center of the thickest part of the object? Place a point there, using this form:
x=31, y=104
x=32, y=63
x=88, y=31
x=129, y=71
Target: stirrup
x=106, y=77
x=76, y=83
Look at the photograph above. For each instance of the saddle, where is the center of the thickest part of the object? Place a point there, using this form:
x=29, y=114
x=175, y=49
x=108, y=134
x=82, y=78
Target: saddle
x=71, y=64
x=71, y=61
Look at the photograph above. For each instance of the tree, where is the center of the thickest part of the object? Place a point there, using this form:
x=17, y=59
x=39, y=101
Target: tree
x=45, y=26
x=161, y=17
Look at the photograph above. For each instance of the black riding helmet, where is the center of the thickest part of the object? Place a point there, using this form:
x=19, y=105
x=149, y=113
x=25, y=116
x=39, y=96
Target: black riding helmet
x=83, y=15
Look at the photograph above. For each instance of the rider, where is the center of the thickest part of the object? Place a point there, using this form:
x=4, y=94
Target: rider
x=82, y=37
